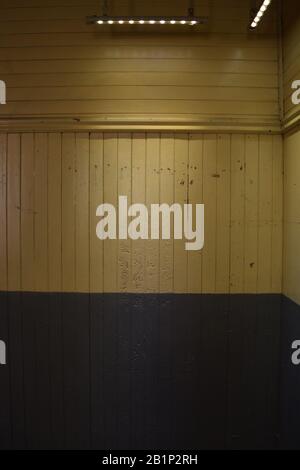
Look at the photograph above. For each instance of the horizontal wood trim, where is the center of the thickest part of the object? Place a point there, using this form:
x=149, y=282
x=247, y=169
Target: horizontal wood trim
x=154, y=79
x=141, y=92
x=150, y=107
x=139, y=65
x=140, y=123
x=245, y=41
x=291, y=122
x=138, y=52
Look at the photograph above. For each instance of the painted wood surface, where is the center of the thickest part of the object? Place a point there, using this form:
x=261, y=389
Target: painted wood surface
x=52, y=184
x=57, y=66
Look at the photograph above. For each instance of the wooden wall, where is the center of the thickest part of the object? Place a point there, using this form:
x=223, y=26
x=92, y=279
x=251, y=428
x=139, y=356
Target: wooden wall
x=58, y=67
x=291, y=57
x=292, y=217
x=51, y=185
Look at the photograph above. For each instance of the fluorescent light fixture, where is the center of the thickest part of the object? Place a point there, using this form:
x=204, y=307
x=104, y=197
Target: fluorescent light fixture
x=260, y=13
x=189, y=20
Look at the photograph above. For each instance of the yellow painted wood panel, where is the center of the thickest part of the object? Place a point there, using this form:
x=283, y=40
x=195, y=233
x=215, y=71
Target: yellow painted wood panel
x=277, y=216
x=265, y=208
x=136, y=51
x=41, y=211
x=27, y=211
x=55, y=64
x=181, y=183
x=96, y=184
x=210, y=177
x=54, y=207
x=138, y=259
x=167, y=172
x=125, y=189
x=152, y=197
x=237, y=214
x=68, y=213
x=142, y=107
x=110, y=196
x=84, y=80
x=223, y=213
x=195, y=196
x=252, y=67
x=291, y=54
x=252, y=157
x=13, y=211
x=291, y=270
x=55, y=182
x=3, y=205
x=141, y=92
x=82, y=228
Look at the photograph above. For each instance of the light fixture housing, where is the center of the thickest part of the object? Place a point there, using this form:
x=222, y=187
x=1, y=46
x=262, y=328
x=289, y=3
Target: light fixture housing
x=258, y=15
x=190, y=20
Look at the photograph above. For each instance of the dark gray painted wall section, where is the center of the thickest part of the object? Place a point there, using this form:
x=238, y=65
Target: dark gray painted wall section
x=140, y=371
x=290, y=377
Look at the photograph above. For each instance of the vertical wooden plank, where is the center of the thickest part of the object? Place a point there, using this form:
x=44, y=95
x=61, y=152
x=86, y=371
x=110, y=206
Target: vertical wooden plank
x=265, y=214
x=277, y=204
x=5, y=386
x=291, y=217
x=54, y=212
x=166, y=267
x=68, y=213
x=152, y=197
x=37, y=325
x=180, y=197
x=124, y=189
x=251, y=213
x=223, y=214
x=82, y=248
x=209, y=199
x=6, y=397
x=27, y=211
x=96, y=198
x=3, y=215
x=56, y=369
x=14, y=212
x=14, y=284
x=195, y=196
x=110, y=197
x=40, y=213
x=55, y=312
x=138, y=197
x=122, y=304
x=76, y=364
x=237, y=246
